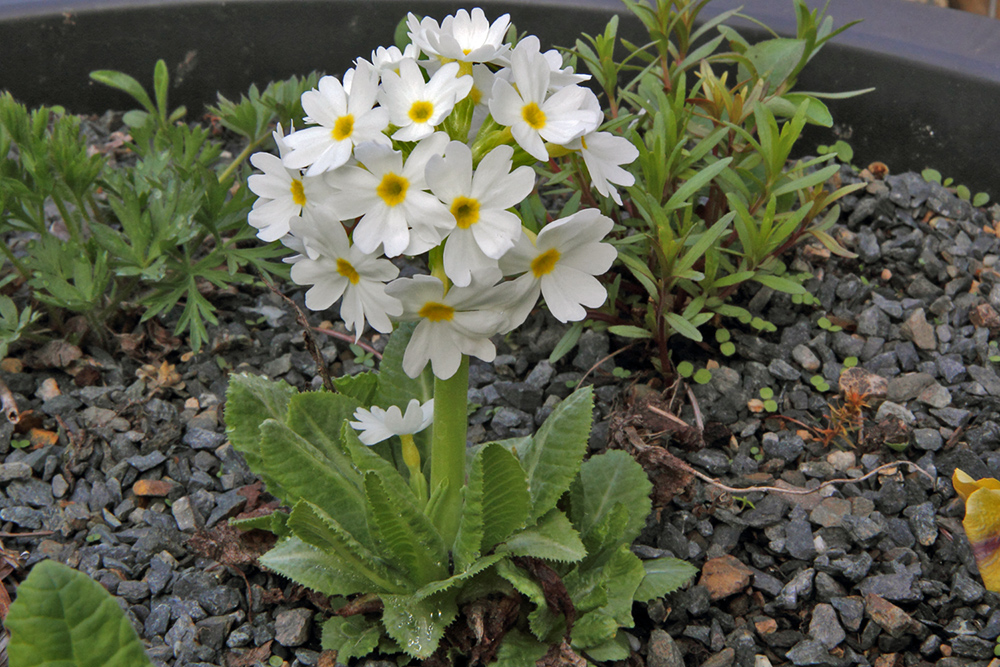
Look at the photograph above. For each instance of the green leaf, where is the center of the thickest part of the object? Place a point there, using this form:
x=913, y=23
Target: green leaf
x=519, y=649
x=663, y=576
x=125, y=83
x=319, y=416
x=553, y=456
x=685, y=192
x=472, y=570
x=345, y=552
x=405, y=535
x=351, y=636
x=360, y=387
x=276, y=522
x=776, y=59
x=629, y=331
x=313, y=568
x=780, y=284
x=250, y=399
x=296, y=469
x=553, y=538
x=604, y=481
x=682, y=326
x=505, y=497
x=395, y=387
x=981, y=199
x=616, y=648
x=418, y=625
x=62, y=617
x=567, y=342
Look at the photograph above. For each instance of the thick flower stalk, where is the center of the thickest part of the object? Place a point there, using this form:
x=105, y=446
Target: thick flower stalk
x=982, y=523
x=423, y=154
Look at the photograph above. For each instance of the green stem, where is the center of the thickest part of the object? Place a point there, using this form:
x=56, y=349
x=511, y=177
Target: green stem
x=448, y=447
x=238, y=160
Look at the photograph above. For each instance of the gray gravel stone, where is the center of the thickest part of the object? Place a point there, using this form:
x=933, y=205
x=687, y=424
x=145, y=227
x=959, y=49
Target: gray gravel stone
x=291, y=627
x=824, y=626
x=662, y=651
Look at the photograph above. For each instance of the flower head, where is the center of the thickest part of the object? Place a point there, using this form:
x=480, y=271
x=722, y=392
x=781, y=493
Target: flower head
x=561, y=264
x=604, y=153
x=449, y=325
x=416, y=106
x=483, y=229
x=464, y=37
x=533, y=115
x=376, y=424
x=338, y=270
x=982, y=523
x=282, y=193
x=389, y=195
x=344, y=117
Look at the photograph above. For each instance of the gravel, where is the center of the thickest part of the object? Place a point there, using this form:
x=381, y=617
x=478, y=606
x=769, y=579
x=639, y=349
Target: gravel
x=876, y=573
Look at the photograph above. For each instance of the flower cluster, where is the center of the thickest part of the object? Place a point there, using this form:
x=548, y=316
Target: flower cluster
x=428, y=150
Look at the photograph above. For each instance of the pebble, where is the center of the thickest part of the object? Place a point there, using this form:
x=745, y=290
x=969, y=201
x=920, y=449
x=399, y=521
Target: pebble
x=291, y=627
x=824, y=626
x=662, y=651
x=724, y=576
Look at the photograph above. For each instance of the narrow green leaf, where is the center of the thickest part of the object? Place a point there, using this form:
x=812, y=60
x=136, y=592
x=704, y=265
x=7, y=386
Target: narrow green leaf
x=161, y=80
x=276, y=522
x=553, y=456
x=664, y=576
x=707, y=239
x=807, y=181
x=682, y=326
x=553, y=538
x=567, y=342
x=781, y=284
x=125, y=83
x=319, y=416
x=629, y=331
x=685, y=192
x=63, y=618
x=505, y=494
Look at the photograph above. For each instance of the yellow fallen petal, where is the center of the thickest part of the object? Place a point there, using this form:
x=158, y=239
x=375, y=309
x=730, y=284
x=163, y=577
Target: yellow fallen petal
x=982, y=526
x=965, y=485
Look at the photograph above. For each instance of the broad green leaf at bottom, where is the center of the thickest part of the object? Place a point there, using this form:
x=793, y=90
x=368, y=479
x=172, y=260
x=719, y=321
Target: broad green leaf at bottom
x=63, y=618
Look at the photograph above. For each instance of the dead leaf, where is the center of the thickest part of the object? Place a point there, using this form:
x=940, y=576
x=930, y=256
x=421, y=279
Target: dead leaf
x=556, y=596
x=55, y=354
x=562, y=656
x=163, y=376
x=251, y=657
x=232, y=546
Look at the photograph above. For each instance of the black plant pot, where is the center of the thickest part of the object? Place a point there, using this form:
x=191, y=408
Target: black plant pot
x=936, y=71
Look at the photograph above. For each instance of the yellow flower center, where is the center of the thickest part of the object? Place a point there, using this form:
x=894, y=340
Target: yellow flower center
x=466, y=211
x=420, y=111
x=392, y=189
x=533, y=116
x=544, y=263
x=436, y=312
x=298, y=192
x=343, y=128
x=345, y=269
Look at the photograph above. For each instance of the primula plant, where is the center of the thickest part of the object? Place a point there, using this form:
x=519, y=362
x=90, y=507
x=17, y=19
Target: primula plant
x=419, y=157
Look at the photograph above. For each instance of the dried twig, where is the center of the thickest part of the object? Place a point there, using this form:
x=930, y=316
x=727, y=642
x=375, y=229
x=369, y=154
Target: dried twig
x=8, y=404
x=307, y=337
x=798, y=492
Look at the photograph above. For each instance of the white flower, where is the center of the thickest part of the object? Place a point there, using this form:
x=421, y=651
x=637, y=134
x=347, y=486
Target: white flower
x=559, y=76
x=344, y=117
x=416, y=106
x=377, y=424
x=388, y=59
x=389, y=195
x=282, y=193
x=338, y=270
x=462, y=37
x=561, y=264
x=532, y=115
x=483, y=229
x=603, y=152
x=450, y=325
